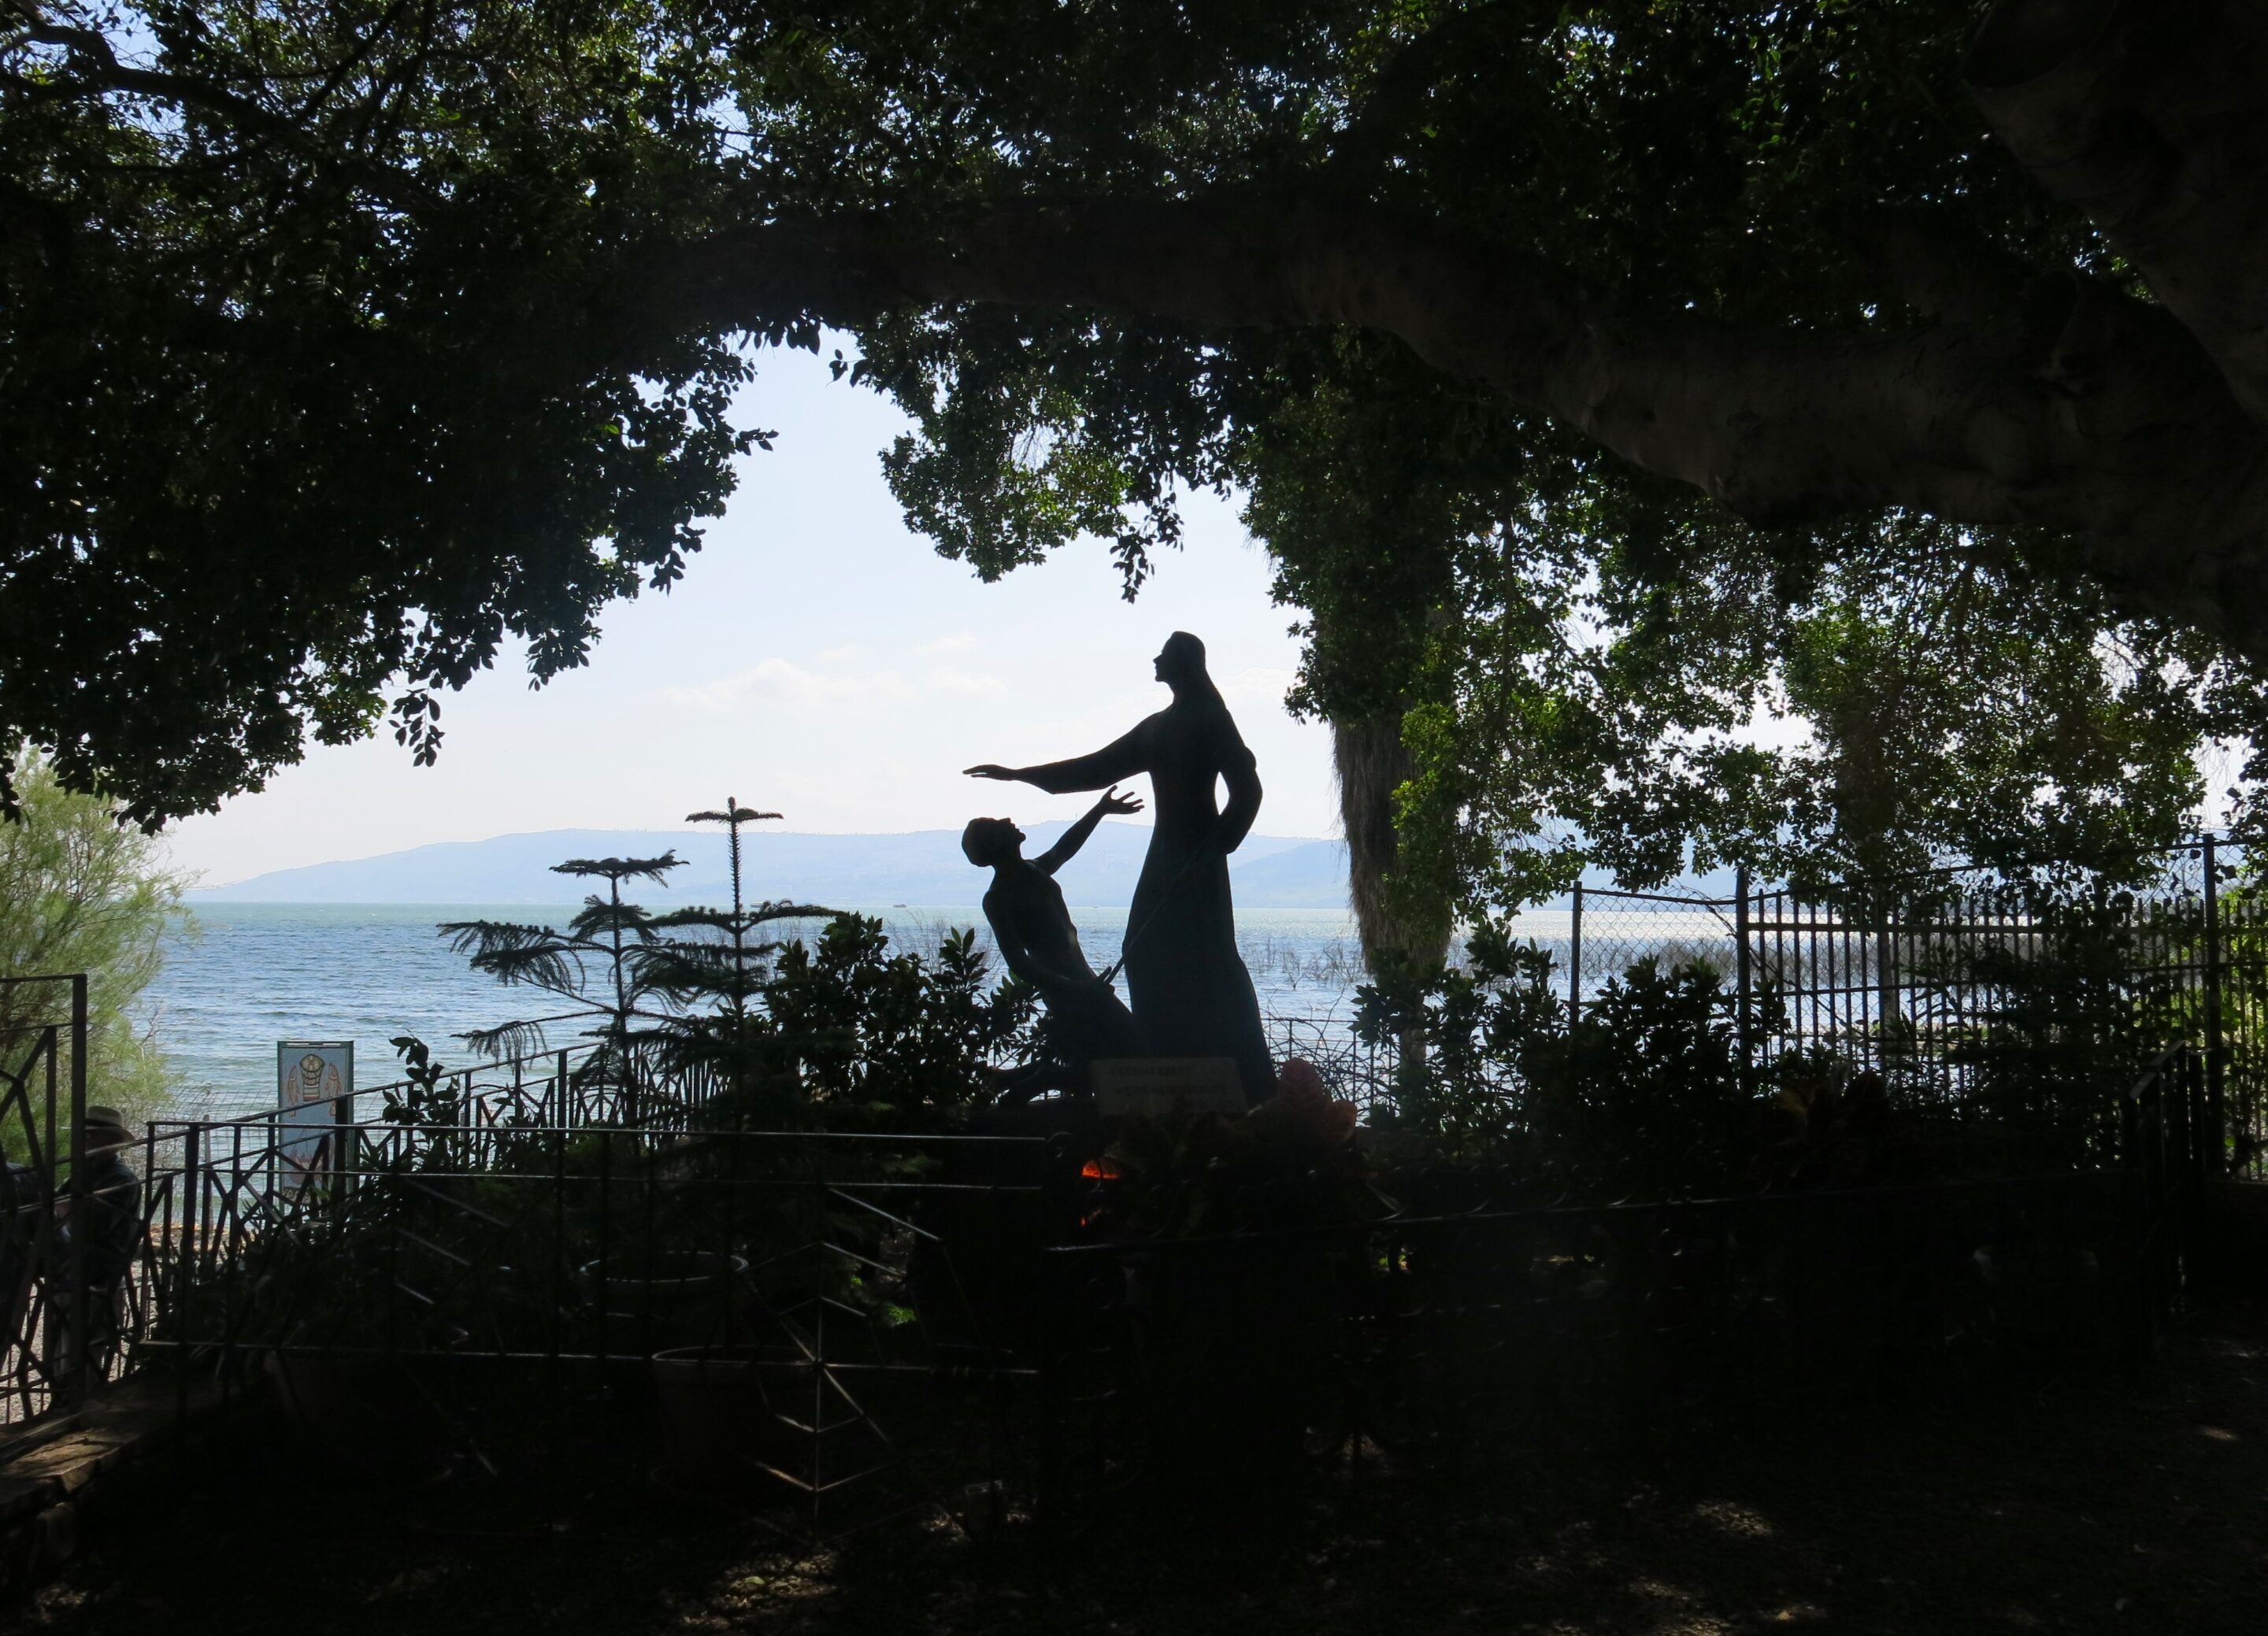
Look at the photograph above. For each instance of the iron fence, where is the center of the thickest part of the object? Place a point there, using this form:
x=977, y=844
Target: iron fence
x=1460, y=1340
x=916, y=1317
x=1976, y=995
x=502, y=1271
x=871, y=1321
x=1355, y=1069
x=897, y=1302
x=58, y=1326
x=202, y=1190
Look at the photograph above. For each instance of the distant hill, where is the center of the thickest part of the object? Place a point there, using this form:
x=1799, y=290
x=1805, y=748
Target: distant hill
x=923, y=868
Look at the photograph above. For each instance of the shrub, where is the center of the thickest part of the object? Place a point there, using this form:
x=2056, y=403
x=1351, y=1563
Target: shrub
x=1646, y=1096
x=849, y=1023
x=1643, y=1095
x=79, y=891
x=776, y=1032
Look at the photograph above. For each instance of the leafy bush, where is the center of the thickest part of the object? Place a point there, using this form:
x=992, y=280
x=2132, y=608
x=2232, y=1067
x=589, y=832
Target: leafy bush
x=1647, y=1097
x=849, y=1023
x=775, y=1032
x=1643, y=1096
x=1479, y=1024
x=2056, y=1024
x=1288, y=1163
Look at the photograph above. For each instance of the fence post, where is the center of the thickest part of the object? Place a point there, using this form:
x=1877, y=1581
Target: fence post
x=1740, y=1029
x=345, y=1161
x=81, y=1200
x=52, y=1155
x=2213, y=1139
x=51, y=1185
x=2142, y=1151
x=1886, y=986
x=186, y=1267
x=1575, y=958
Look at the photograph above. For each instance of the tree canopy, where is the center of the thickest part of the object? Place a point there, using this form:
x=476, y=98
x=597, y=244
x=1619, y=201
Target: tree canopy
x=1602, y=376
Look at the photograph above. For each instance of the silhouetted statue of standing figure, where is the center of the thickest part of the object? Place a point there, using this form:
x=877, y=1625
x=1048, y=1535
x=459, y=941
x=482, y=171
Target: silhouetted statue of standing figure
x=1191, y=993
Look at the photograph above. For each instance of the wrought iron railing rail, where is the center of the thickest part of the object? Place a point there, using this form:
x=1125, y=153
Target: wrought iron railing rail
x=1508, y=1323
x=48, y=1308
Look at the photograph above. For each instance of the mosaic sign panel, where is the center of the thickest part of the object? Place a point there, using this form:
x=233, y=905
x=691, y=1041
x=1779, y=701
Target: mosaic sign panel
x=312, y=1079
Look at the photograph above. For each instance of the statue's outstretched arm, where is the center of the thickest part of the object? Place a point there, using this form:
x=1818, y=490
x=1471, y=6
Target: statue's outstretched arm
x=1071, y=841
x=1113, y=764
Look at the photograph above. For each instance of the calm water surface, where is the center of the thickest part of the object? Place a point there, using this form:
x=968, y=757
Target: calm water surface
x=240, y=977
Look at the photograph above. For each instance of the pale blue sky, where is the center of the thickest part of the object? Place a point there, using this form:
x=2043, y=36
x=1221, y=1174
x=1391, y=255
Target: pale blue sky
x=818, y=660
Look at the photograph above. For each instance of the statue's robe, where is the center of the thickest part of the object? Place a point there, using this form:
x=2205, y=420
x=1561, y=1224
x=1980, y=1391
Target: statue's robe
x=1191, y=992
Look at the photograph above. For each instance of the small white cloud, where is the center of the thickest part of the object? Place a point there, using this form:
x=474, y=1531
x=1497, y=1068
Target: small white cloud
x=841, y=655
x=782, y=682
x=959, y=641
x=943, y=679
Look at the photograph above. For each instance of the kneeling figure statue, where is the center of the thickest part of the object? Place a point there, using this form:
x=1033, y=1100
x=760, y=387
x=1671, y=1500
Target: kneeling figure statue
x=1086, y=1019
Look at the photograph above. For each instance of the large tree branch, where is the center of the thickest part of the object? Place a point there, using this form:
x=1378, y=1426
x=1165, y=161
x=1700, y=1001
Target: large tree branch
x=96, y=71
x=2151, y=116
x=2098, y=415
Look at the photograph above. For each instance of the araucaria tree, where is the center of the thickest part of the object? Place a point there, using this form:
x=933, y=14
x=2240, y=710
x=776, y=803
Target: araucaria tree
x=597, y=962
x=693, y=1004
x=715, y=978
x=1894, y=366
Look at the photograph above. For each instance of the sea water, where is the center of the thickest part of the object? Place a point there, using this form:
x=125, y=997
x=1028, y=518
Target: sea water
x=240, y=977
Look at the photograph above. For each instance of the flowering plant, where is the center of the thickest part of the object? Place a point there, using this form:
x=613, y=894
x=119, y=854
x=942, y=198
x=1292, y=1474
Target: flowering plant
x=1289, y=1162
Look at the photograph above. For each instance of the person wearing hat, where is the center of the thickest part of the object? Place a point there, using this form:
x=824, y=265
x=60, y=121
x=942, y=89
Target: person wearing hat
x=110, y=1235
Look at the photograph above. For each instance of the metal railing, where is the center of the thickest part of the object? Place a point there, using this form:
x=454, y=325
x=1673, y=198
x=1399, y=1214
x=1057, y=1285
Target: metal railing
x=926, y=1313
x=528, y=1230
x=57, y=1328
x=1469, y=1338
x=196, y=1188
x=416, y=1259
x=1969, y=989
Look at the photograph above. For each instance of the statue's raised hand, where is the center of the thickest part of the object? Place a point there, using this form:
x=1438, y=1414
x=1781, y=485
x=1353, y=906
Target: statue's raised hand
x=992, y=769
x=1113, y=801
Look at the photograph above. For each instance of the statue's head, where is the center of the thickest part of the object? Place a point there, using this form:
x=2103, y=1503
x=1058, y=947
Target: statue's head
x=987, y=841
x=1181, y=660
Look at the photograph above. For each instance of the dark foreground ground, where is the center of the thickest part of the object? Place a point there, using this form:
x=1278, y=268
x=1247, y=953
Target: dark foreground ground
x=2085, y=1508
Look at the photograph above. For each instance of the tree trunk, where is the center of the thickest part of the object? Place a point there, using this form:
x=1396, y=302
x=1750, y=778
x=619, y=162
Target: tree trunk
x=1373, y=762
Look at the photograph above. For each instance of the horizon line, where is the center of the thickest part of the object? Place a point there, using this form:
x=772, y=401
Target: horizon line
x=714, y=831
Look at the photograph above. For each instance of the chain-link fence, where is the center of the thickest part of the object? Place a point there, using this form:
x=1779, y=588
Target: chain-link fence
x=1611, y=931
